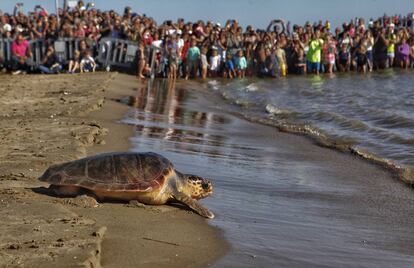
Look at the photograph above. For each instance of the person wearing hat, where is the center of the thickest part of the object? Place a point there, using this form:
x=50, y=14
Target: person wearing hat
x=20, y=54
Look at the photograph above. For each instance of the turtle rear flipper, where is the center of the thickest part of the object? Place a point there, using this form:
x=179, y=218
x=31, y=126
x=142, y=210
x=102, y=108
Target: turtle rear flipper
x=193, y=204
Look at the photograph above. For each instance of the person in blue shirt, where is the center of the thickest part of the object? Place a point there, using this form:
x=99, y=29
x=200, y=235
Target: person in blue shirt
x=193, y=59
x=229, y=70
x=241, y=63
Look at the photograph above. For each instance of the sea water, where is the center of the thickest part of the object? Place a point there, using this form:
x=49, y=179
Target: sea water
x=371, y=113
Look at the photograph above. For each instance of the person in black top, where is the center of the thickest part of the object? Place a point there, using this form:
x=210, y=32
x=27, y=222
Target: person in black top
x=50, y=62
x=380, y=50
x=361, y=59
x=300, y=62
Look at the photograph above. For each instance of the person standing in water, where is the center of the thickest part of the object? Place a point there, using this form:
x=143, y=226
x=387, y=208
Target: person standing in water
x=193, y=58
x=313, y=57
x=403, y=55
x=329, y=53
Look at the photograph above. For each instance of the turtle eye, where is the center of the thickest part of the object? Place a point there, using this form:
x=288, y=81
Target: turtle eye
x=205, y=186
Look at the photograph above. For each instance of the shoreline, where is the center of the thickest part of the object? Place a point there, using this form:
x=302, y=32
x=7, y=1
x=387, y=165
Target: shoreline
x=404, y=174
x=51, y=119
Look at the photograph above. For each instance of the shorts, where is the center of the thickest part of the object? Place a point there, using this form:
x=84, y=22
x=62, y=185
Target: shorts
x=370, y=55
x=391, y=54
x=313, y=66
x=192, y=64
x=88, y=67
x=404, y=57
x=343, y=62
x=361, y=62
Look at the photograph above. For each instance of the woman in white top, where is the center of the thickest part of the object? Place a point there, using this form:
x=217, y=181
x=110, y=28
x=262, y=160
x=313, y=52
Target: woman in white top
x=368, y=42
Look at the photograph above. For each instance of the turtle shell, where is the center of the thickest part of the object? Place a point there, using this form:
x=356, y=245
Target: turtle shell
x=127, y=171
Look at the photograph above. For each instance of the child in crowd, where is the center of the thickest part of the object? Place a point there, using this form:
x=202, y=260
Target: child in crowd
x=391, y=40
x=87, y=63
x=172, y=66
x=344, y=58
x=281, y=58
x=368, y=42
x=215, y=62
x=329, y=53
x=193, y=58
x=74, y=63
x=204, y=63
x=300, y=63
x=241, y=64
x=172, y=63
x=361, y=59
x=229, y=70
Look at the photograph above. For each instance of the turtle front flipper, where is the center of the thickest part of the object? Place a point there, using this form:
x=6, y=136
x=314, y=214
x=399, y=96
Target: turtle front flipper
x=193, y=204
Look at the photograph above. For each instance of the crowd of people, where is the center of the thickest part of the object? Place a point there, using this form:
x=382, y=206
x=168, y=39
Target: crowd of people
x=209, y=49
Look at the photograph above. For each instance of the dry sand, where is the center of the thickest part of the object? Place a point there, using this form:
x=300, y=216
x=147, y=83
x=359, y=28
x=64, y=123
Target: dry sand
x=52, y=119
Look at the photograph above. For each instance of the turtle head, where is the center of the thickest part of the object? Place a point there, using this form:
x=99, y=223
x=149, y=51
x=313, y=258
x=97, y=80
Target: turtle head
x=197, y=187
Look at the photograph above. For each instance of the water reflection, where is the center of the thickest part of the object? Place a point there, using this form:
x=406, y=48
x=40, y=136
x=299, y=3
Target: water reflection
x=159, y=114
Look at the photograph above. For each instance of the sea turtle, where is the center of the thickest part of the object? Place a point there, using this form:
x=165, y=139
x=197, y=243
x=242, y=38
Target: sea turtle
x=148, y=178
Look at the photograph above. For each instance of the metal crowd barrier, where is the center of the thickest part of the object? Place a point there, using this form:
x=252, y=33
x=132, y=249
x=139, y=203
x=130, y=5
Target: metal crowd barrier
x=109, y=52
x=5, y=49
x=37, y=47
x=117, y=52
x=65, y=47
x=121, y=53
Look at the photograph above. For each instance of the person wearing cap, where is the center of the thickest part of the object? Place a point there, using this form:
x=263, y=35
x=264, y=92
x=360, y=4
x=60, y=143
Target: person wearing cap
x=20, y=54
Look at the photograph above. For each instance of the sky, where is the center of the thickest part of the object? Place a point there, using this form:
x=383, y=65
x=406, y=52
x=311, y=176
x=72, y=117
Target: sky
x=248, y=12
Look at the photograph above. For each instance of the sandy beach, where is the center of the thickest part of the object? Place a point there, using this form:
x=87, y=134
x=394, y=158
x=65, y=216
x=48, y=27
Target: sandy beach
x=53, y=119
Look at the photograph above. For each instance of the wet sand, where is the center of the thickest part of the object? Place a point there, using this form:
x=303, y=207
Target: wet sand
x=281, y=200
x=52, y=119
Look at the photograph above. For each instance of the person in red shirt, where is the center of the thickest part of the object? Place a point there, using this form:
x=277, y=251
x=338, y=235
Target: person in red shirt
x=184, y=50
x=21, y=53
